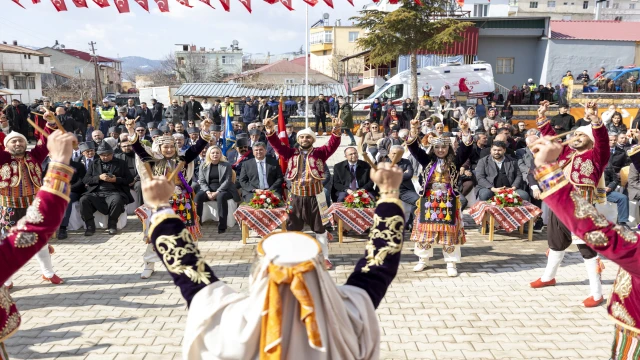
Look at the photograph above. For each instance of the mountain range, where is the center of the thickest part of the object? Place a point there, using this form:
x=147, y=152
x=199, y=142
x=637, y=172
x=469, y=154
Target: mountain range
x=132, y=64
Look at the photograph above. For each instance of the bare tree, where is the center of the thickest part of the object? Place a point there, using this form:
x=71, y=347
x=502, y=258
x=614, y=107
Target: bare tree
x=216, y=72
x=352, y=68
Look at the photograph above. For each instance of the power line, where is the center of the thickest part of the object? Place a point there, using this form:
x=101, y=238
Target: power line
x=97, y=70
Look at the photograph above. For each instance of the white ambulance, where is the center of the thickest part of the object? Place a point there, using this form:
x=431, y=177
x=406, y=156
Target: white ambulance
x=477, y=79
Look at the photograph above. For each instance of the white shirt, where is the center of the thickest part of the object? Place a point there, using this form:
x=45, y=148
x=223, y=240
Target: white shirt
x=262, y=175
x=498, y=163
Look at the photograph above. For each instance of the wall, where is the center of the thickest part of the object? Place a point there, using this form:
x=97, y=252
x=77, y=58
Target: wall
x=69, y=65
x=522, y=49
x=578, y=55
x=497, y=8
x=17, y=63
x=271, y=78
x=340, y=47
x=27, y=95
x=576, y=12
x=227, y=69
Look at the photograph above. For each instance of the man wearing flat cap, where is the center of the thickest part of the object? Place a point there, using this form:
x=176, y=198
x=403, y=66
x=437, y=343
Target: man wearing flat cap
x=107, y=182
x=194, y=135
x=216, y=132
x=306, y=171
x=113, y=138
x=156, y=134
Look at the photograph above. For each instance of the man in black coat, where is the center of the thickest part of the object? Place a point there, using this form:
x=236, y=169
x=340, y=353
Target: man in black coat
x=107, y=182
x=192, y=109
x=481, y=143
x=157, y=108
x=17, y=114
x=67, y=121
x=260, y=173
x=144, y=114
x=350, y=175
x=408, y=193
x=77, y=189
x=215, y=112
x=497, y=172
x=619, y=157
x=320, y=109
x=564, y=121
x=82, y=118
x=129, y=157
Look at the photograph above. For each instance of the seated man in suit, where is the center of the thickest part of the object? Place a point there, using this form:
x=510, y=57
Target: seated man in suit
x=612, y=180
x=496, y=172
x=77, y=189
x=107, y=182
x=129, y=156
x=619, y=158
x=350, y=175
x=260, y=173
x=408, y=193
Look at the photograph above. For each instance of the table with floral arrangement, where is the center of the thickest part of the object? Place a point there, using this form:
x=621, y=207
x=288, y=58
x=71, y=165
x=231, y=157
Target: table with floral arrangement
x=263, y=214
x=356, y=211
x=508, y=209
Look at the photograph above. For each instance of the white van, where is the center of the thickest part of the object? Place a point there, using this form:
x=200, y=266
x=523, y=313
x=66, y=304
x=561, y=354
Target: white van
x=477, y=77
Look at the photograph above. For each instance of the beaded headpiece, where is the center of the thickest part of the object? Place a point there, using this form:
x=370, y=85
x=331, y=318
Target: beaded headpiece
x=164, y=140
x=442, y=140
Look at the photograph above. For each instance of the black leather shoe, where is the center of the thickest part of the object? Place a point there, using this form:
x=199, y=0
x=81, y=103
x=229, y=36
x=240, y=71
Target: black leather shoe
x=62, y=233
x=222, y=231
x=90, y=230
x=113, y=231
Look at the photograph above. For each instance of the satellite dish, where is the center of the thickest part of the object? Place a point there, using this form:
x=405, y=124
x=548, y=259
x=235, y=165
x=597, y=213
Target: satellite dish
x=235, y=42
x=325, y=15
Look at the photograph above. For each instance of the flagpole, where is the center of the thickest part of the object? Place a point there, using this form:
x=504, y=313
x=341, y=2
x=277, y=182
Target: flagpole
x=306, y=66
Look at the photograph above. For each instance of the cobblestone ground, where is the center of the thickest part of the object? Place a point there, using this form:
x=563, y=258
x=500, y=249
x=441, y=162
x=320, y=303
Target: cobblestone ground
x=105, y=311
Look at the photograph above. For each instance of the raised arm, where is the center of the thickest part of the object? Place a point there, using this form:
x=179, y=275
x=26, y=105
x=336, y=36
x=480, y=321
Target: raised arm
x=601, y=150
x=282, y=150
x=173, y=243
x=40, y=151
x=194, y=150
x=375, y=271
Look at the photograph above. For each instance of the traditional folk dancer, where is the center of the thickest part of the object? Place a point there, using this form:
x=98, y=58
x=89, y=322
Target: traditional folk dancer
x=30, y=233
x=583, y=160
x=438, y=217
x=20, y=179
x=293, y=309
x=616, y=242
x=306, y=172
x=164, y=157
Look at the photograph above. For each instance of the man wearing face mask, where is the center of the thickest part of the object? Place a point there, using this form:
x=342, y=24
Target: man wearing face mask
x=107, y=182
x=306, y=172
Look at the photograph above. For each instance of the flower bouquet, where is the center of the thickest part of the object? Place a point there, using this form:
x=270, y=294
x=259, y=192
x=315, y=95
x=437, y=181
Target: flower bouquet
x=264, y=199
x=506, y=198
x=359, y=199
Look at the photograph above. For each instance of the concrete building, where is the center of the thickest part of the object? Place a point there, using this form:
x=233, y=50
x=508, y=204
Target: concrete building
x=282, y=72
x=329, y=44
x=620, y=10
x=589, y=45
x=199, y=64
x=21, y=72
x=487, y=8
x=70, y=63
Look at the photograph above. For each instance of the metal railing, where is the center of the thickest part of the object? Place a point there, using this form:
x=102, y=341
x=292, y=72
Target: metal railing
x=502, y=90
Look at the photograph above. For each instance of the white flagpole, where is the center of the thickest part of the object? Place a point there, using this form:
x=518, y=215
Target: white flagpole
x=306, y=66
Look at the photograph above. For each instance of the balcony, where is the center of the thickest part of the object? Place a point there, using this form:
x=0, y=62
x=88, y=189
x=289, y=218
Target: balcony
x=380, y=72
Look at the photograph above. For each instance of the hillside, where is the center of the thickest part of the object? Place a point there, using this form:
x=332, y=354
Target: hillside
x=138, y=63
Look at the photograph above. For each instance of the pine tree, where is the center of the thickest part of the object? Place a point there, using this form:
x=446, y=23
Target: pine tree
x=216, y=72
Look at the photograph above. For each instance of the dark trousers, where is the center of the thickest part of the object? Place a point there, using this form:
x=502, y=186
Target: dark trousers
x=465, y=189
x=67, y=214
x=82, y=129
x=305, y=211
x=110, y=204
x=410, y=197
x=137, y=188
x=560, y=238
x=323, y=119
x=221, y=201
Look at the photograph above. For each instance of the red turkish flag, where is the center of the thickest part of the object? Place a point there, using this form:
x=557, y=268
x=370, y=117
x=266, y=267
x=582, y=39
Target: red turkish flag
x=18, y=2
x=122, y=6
x=185, y=3
x=34, y=1
x=102, y=3
x=313, y=2
x=59, y=5
x=271, y=1
x=329, y=3
x=163, y=5
x=287, y=4
x=225, y=4
x=208, y=3
x=247, y=4
x=143, y=3
x=80, y=3
x=350, y=2
x=393, y=2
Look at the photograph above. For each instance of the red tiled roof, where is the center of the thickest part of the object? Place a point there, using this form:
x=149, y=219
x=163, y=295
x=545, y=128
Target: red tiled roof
x=606, y=30
x=278, y=67
x=300, y=61
x=85, y=55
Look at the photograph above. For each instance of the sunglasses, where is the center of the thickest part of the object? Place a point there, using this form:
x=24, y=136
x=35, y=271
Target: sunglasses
x=243, y=147
x=141, y=130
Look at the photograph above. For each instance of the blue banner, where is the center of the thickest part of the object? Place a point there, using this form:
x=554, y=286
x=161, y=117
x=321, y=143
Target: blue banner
x=229, y=137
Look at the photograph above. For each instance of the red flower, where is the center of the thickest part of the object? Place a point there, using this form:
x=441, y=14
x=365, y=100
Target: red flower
x=349, y=198
x=260, y=201
x=366, y=201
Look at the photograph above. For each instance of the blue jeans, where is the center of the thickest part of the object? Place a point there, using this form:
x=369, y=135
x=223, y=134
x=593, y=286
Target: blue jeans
x=622, y=201
x=67, y=214
x=104, y=127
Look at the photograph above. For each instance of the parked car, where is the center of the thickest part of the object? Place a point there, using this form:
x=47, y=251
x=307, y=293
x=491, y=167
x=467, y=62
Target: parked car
x=618, y=76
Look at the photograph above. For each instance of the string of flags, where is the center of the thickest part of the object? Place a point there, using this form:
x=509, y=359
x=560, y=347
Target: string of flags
x=163, y=5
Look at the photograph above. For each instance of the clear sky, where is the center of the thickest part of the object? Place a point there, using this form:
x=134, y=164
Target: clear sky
x=152, y=35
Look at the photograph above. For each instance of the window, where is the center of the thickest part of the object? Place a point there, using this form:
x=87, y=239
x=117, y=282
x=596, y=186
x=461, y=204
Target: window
x=289, y=81
x=607, y=4
x=204, y=59
x=565, y=4
x=551, y=4
x=185, y=47
x=632, y=6
x=505, y=65
x=4, y=81
x=180, y=60
x=328, y=37
x=353, y=36
x=533, y=5
x=321, y=37
x=24, y=82
x=618, y=18
x=41, y=60
x=394, y=92
x=566, y=18
x=480, y=10
x=228, y=60
x=614, y=5
x=585, y=4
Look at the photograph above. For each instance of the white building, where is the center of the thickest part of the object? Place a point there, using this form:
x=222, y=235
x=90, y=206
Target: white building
x=620, y=10
x=200, y=62
x=21, y=72
x=487, y=8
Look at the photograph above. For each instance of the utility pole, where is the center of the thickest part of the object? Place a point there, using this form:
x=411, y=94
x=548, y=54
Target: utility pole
x=96, y=69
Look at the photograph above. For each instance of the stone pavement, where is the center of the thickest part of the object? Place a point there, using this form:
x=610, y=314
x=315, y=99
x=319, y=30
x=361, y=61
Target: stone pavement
x=105, y=311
